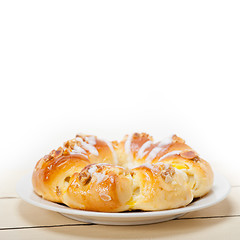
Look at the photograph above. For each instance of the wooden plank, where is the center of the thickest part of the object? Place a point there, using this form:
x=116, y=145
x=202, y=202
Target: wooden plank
x=18, y=213
x=221, y=228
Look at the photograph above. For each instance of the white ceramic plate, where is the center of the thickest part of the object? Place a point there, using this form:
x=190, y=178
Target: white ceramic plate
x=219, y=191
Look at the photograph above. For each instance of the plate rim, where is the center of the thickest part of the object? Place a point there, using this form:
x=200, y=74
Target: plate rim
x=182, y=210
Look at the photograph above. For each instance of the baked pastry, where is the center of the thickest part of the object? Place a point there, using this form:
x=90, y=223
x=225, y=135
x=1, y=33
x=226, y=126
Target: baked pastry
x=100, y=187
x=93, y=174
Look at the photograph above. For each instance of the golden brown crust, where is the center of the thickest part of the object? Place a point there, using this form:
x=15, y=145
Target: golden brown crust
x=93, y=174
x=106, y=188
x=199, y=172
x=95, y=149
x=128, y=149
x=51, y=173
x=159, y=187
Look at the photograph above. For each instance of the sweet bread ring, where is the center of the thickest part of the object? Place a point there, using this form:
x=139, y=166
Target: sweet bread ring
x=134, y=174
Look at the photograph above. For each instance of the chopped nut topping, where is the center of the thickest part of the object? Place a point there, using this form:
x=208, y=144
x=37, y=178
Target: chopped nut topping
x=66, y=144
x=40, y=163
x=136, y=135
x=142, y=135
x=197, y=158
x=58, y=191
x=70, y=144
x=54, y=154
x=46, y=157
x=80, y=135
x=59, y=152
x=85, y=177
x=115, y=144
x=66, y=151
x=177, y=139
x=167, y=174
x=189, y=154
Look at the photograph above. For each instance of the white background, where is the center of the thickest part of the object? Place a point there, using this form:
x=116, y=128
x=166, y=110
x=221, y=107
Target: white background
x=114, y=67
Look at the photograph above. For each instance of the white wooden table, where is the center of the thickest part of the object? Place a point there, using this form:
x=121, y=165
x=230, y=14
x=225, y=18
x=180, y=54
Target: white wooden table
x=20, y=220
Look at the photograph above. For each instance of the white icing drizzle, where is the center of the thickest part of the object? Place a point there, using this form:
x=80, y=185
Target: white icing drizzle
x=78, y=139
x=128, y=144
x=78, y=149
x=159, y=147
x=100, y=176
x=128, y=150
x=170, y=154
x=153, y=154
x=148, y=165
x=105, y=164
x=166, y=141
x=141, y=151
x=115, y=159
x=109, y=165
x=89, y=147
x=92, y=169
x=151, y=166
x=91, y=140
x=131, y=165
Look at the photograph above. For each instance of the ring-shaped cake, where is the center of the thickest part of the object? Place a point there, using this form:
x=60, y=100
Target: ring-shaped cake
x=136, y=173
